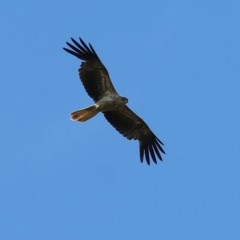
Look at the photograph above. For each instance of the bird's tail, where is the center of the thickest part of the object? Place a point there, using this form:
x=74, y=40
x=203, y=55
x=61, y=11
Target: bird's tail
x=83, y=115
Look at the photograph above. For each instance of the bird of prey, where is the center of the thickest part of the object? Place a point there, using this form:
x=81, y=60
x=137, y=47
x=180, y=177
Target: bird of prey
x=97, y=83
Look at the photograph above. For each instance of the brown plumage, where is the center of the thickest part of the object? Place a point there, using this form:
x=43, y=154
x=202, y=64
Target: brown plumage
x=96, y=81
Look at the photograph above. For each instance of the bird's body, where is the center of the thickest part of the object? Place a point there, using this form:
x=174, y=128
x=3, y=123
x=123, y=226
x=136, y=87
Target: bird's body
x=108, y=102
x=98, y=85
x=111, y=102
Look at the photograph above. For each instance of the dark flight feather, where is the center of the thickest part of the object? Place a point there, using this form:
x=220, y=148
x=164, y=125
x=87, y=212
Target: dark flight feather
x=93, y=74
x=132, y=126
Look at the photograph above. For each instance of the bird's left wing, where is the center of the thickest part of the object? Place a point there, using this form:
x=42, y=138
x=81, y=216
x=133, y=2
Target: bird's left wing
x=131, y=126
x=93, y=74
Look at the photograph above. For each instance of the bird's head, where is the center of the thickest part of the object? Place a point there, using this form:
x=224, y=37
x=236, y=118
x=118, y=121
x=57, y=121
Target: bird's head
x=124, y=100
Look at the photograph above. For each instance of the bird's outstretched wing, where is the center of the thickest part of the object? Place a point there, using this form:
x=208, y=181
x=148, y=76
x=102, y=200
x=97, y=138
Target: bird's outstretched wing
x=132, y=126
x=92, y=72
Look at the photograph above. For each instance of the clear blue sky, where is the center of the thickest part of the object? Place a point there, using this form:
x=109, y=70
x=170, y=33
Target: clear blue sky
x=178, y=64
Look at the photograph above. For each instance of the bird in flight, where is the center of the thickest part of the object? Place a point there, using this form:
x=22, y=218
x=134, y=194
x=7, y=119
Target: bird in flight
x=98, y=85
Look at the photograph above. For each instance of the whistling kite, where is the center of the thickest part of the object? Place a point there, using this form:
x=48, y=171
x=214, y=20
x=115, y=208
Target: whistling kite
x=98, y=85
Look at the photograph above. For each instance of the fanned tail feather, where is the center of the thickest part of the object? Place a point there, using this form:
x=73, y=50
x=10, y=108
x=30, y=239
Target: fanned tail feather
x=83, y=115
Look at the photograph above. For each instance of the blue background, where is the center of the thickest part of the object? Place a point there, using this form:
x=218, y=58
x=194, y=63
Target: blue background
x=178, y=64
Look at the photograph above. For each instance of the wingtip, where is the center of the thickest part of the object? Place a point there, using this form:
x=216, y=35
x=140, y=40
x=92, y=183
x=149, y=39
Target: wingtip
x=151, y=150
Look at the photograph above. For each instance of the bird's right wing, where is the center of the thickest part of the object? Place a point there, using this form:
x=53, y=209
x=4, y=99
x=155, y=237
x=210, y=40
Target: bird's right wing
x=93, y=74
